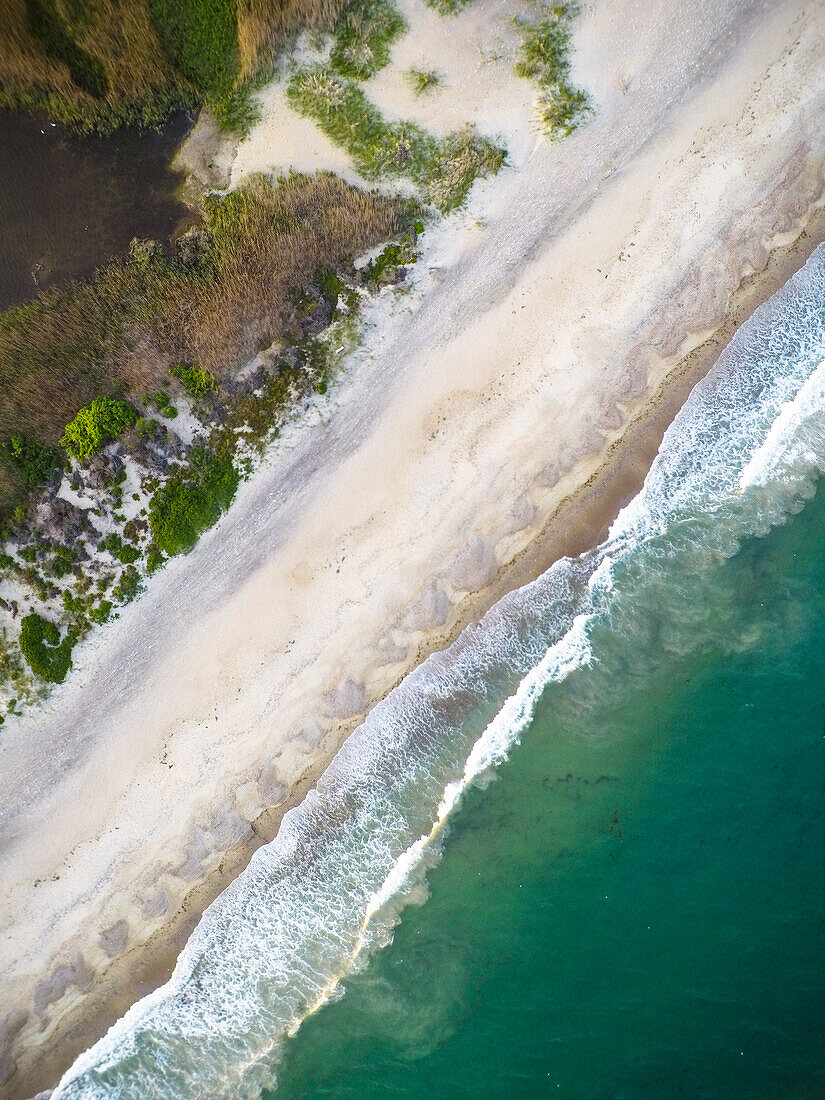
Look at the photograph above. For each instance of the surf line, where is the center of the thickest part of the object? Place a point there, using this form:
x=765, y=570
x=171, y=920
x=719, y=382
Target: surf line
x=570, y=652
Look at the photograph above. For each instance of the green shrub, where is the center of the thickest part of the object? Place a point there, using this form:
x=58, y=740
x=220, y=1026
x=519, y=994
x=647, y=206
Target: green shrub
x=111, y=542
x=75, y=605
x=114, y=544
x=47, y=656
x=161, y=402
x=146, y=428
x=127, y=554
x=33, y=463
x=154, y=560
x=97, y=424
x=128, y=586
x=196, y=382
x=192, y=500
x=101, y=613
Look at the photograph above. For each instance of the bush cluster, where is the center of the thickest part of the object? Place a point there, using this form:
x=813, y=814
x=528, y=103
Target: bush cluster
x=97, y=424
x=192, y=500
x=32, y=462
x=47, y=656
x=196, y=381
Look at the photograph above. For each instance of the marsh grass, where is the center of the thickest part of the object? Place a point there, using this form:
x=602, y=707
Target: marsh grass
x=364, y=32
x=422, y=81
x=97, y=65
x=445, y=170
x=119, y=334
x=544, y=57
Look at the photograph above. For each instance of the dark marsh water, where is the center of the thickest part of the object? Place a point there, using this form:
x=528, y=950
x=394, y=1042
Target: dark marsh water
x=70, y=202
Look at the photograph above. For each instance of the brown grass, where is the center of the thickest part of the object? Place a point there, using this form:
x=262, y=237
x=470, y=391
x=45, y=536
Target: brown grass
x=266, y=26
x=270, y=243
x=119, y=333
x=118, y=34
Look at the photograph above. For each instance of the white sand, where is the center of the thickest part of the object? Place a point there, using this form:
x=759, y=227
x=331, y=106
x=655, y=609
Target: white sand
x=552, y=311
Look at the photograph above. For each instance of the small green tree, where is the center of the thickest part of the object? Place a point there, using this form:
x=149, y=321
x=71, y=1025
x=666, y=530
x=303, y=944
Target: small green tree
x=96, y=424
x=195, y=380
x=47, y=656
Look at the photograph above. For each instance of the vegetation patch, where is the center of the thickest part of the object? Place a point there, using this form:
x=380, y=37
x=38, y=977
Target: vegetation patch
x=97, y=424
x=544, y=57
x=445, y=170
x=192, y=500
x=47, y=656
x=267, y=284
x=363, y=35
x=447, y=7
x=100, y=64
x=32, y=462
x=214, y=305
x=196, y=381
x=384, y=268
x=421, y=81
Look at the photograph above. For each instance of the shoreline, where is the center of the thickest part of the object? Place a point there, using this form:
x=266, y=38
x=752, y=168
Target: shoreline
x=587, y=495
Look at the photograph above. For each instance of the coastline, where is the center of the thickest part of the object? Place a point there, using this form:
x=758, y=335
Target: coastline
x=561, y=516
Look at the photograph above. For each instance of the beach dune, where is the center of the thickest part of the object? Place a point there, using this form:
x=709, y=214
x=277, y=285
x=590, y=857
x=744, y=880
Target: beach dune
x=496, y=417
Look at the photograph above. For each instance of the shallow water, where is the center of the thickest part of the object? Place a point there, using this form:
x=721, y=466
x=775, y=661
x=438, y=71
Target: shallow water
x=69, y=203
x=635, y=906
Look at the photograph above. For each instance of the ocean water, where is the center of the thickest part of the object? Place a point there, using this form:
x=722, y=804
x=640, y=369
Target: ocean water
x=580, y=852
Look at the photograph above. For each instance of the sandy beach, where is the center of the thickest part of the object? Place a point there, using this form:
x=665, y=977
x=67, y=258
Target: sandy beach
x=496, y=417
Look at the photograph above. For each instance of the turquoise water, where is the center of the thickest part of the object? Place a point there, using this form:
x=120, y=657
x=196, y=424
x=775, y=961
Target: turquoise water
x=579, y=852
x=636, y=908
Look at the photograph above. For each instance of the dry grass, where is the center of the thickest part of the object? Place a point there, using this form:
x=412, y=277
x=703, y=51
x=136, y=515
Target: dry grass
x=98, y=64
x=112, y=37
x=119, y=333
x=268, y=243
x=265, y=27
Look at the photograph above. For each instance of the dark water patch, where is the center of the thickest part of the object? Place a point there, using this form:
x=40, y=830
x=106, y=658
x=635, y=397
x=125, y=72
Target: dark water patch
x=68, y=203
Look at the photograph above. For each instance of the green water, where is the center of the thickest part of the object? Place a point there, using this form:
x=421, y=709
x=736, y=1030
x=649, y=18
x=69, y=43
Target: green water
x=636, y=907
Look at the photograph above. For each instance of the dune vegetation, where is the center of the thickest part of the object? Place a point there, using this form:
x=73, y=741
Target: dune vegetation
x=95, y=372
x=544, y=57
x=227, y=289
